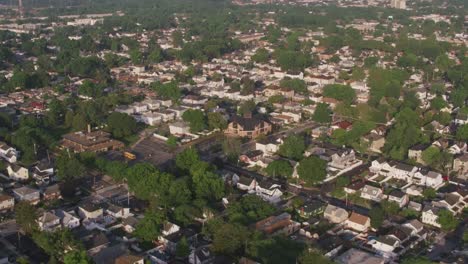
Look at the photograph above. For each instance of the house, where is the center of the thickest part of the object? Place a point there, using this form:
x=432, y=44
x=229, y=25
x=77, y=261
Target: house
x=393, y=169
x=357, y=256
x=455, y=201
x=7, y=203
x=428, y=178
x=42, y=172
x=169, y=228
x=374, y=142
x=320, y=131
x=458, y=148
x=277, y=224
x=17, y=173
x=415, y=226
x=251, y=156
x=415, y=152
x=67, y=219
x=385, y=244
x=48, y=221
x=335, y=214
x=430, y=215
x=96, y=141
x=354, y=187
x=269, y=146
x=398, y=197
x=202, y=255
x=151, y=119
x=94, y=242
x=245, y=183
x=311, y=208
x=179, y=128
x=8, y=153
x=460, y=165
x=371, y=193
x=129, y=224
x=158, y=256
x=268, y=191
x=27, y=194
x=52, y=192
x=90, y=211
x=171, y=241
x=117, y=211
x=248, y=126
x=358, y=222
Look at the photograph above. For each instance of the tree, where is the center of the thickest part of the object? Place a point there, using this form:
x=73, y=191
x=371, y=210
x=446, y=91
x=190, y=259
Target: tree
x=279, y=169
x=340, y=92
x=172, y=142
x=261, y=56
x=405, y=133
x=247, y=107
x=26, y=216
x=177, y=39
x=249, y=209
x=312, y=170
x=430, y=155
x=462, y=132
x=69, y=167
x=322, y=114
x=149, y=228
x=229, y=239
x=389, y=207
x=429, y=193
x=196, y=120
x=208, y=185
x=121, y=125
x=377, y=216
x=297, y=85
x=313, y=257
x=293, y=147
x=232, y=148
x=183, y=249
x=447, y=220
x=167, y=91
x=216, y=121
x=77, y=257
x=187, y=158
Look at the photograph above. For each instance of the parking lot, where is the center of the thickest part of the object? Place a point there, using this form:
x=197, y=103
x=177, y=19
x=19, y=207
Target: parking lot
x=153, y=151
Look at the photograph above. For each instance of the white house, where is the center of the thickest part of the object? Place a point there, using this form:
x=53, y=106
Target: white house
x=428, y=178
x=430, y=215
x=17, y=173
x=398, y=197
x=335, y=214
x=358, y=222
x=179, y=128
x=151, y=119
x=6, y=202
x=371, y=193
x=27, y=194
x=8, y=153
x=48, y=222
x=118, y=211
x=90, y=211
x=67, y=219
x=269, y=191
x=244, y=183
x=269, y=146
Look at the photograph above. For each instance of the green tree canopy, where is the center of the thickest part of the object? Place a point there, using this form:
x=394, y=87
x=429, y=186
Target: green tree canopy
x=312, y=170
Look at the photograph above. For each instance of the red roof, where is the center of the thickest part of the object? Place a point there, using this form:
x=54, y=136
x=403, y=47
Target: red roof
x=344, y=124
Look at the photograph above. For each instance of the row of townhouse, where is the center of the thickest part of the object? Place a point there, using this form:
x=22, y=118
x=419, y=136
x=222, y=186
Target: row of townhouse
x=408, y=173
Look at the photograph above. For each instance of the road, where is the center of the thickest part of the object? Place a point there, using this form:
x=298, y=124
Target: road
x=309, y=191
x=448, y=242
x=8, y=227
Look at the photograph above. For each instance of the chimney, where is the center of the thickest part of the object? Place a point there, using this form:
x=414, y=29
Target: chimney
x=248, y=114
x=89, y=128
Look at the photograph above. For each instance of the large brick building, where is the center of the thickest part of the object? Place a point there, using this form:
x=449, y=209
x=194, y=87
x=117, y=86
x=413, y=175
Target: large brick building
x=248, y=126
x=95, y=141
